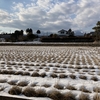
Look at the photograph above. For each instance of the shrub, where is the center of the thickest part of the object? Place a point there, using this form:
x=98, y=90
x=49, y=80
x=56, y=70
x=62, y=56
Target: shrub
x=30, y=92
x=84, y=97
x=69, y=96
x=23, y=83
x=15, y=90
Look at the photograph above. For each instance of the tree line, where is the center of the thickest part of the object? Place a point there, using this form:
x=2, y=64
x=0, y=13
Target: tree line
x=19, y=35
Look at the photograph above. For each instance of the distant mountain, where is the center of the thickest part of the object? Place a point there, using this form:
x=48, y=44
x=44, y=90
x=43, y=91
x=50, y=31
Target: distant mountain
x=78, y=33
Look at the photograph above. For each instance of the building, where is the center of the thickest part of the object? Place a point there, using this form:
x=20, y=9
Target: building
x=63, y=33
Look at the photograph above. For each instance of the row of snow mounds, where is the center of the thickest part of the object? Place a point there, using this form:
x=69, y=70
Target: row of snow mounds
x=11, y=98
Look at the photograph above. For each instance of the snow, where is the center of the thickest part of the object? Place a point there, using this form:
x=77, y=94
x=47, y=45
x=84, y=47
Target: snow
x=50, y=60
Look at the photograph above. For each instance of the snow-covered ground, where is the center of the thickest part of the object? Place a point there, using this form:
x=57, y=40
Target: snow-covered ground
x=63, y=69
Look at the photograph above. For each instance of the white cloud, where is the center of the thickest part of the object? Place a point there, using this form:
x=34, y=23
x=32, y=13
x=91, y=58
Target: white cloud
x=4, y=16
x=52, y=15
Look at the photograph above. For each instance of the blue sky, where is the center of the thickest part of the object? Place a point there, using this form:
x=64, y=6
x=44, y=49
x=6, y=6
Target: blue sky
x=49, y=15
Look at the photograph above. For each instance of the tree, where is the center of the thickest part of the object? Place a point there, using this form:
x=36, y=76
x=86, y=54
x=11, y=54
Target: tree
x=38, y=32
x=71, y=33
x=97, y=31
x=70, y=30
x=30, y=35
x=15, y=36
x=29, y=31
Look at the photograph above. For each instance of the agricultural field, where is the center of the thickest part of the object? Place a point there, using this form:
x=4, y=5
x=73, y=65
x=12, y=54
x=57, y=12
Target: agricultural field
x=50, y=73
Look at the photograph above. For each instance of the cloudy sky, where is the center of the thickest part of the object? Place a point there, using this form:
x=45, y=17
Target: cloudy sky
x=49, y=15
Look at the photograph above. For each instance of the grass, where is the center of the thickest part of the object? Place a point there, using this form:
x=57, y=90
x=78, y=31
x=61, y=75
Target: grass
x=85, y=70
x=72, y=76
x=41, y=93
x=62, y=75
x=22, y=83
x=50, y=65
x=82, y=77
x=55, y=95
x=46, y=85
x=96, y=97
x=94, y=78
x=7, y=72
x=30, y=69
x=43, y=64
x=96, y=89
x=3, y=80
x=26, y=73
x=35, y=74
x=2, y=88
x=33, y=84
x=70, y=87
x=12, y=82
x=59, y=86
x=84, y=97
x=53, y=75
x=57, y=65
x=43, y=74
x=78, y=67
x=15, y=90
x=69, y=96
x=4, y=72
x=83, y=89
x=29, y=92
x=19, y=73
